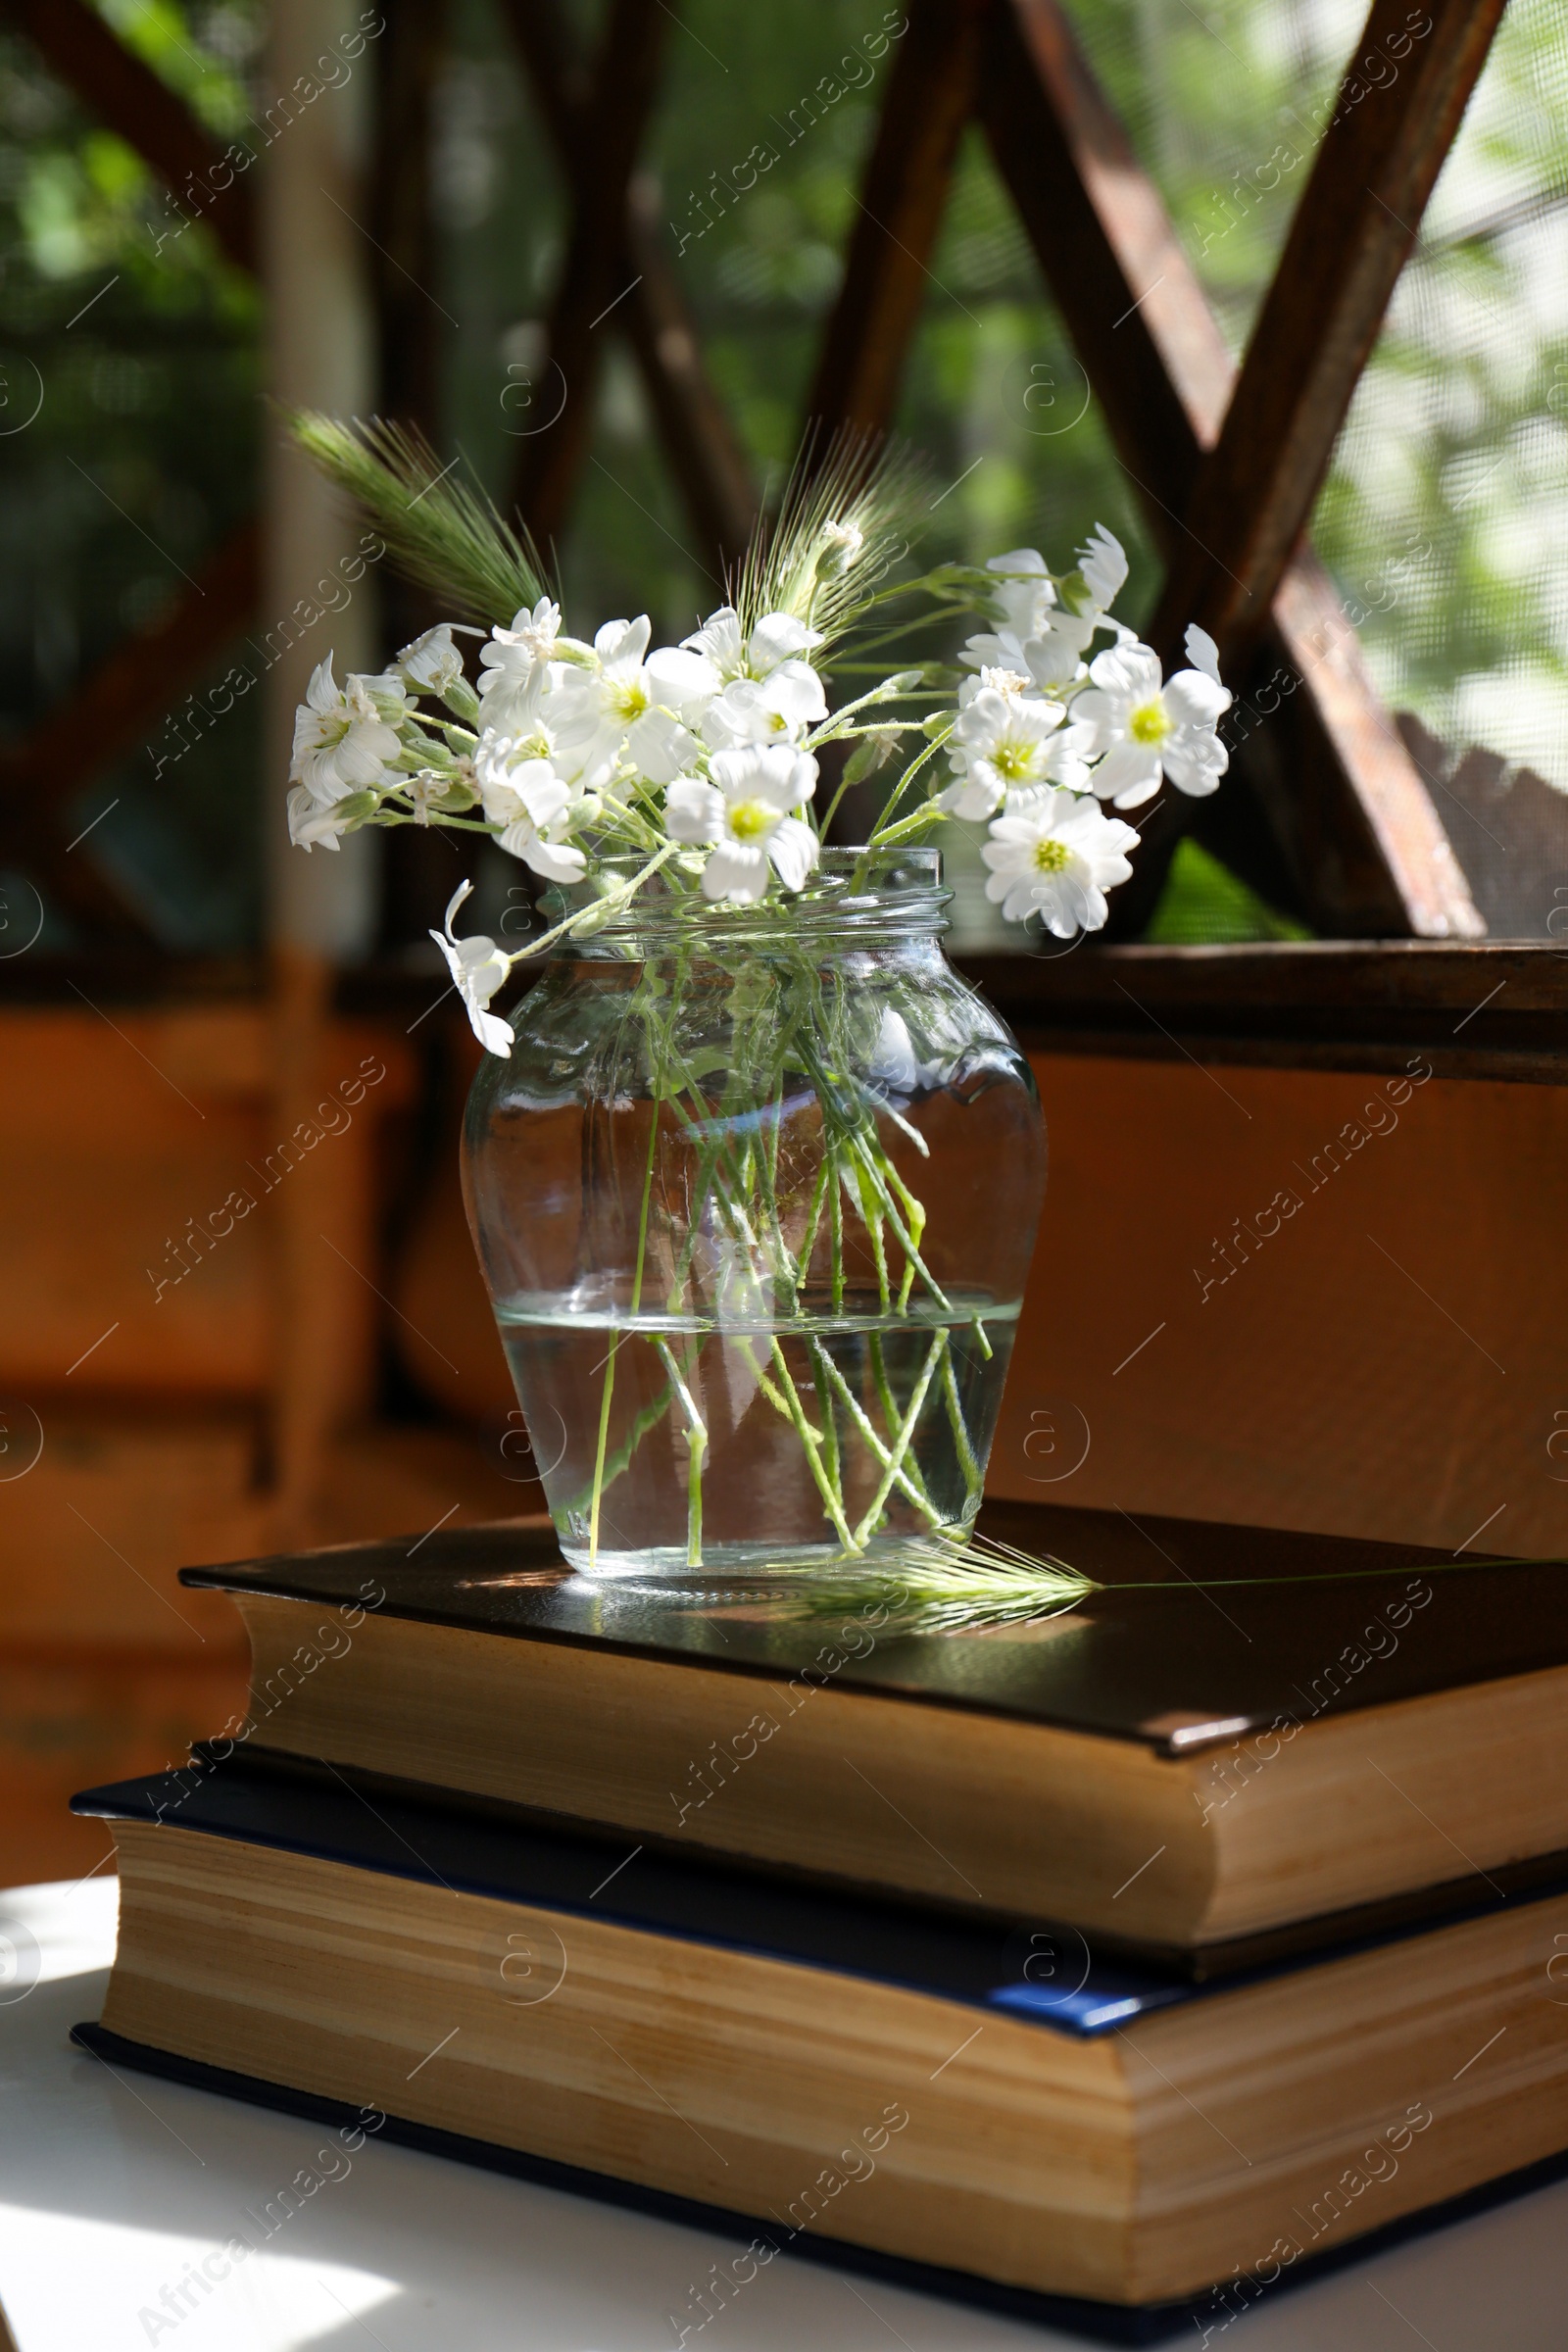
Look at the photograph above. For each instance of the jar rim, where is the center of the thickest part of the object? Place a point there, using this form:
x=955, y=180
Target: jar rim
x=854, y=892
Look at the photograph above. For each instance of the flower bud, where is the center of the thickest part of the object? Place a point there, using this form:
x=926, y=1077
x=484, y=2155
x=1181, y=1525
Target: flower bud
x=836, y=549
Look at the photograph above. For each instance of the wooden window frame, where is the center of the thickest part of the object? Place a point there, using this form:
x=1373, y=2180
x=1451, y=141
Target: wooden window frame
x=1326, y=804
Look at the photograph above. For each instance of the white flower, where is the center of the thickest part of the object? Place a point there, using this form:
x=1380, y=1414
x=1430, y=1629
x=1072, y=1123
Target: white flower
x=777, y=637
x=1006, y=744
x=758, y=688
x=344, y=739
x=1053, y=647
x=660, y=747
x=535, y=807
x=311, y=825
x=748, y=814
x=1026, y=607
x=1203, y=653
x=1147, y=731
x=424, y=791
x=1102, y=562
x=633, y=697
x=1058, y=858
x=432, y=661
x=478, y=968
x=777, y=708
x=894, y=1063
x=1038, y=633
x=1026, y=593
x=516, y=664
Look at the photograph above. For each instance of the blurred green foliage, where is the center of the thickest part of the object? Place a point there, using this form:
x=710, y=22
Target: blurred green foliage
x=143, y=367
x=1204, y=905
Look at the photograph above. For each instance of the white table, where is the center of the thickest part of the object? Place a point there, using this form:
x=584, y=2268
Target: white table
x=113, y=2187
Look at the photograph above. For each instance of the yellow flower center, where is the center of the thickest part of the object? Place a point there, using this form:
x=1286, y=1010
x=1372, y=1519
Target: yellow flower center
x=1015, y=761
x=628, y=701
x=1051, y=856
x=1149, y=722
x=752, y=820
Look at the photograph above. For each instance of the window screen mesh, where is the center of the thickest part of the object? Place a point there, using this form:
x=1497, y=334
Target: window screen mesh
x=1445, y=516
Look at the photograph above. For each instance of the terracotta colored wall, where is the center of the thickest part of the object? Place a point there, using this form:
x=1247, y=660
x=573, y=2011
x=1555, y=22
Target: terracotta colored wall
x=1389, y=1362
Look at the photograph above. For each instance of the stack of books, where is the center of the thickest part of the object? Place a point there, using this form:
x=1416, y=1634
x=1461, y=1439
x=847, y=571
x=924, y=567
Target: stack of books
x=1116, y=1967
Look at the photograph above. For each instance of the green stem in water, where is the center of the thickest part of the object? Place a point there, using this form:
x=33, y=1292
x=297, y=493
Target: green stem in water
x=967, y=1457
x=814, y=1219
x=636, y=1304
x=872, y=1218
x=648, y=1418
x=810, y=1439
x=696, y=1445
x=822, y=1368
x=908, y=1476
x=836, y=1227
x=901, y=1440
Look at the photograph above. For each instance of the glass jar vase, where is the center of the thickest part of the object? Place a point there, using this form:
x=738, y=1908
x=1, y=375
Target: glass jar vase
x=756, y=1197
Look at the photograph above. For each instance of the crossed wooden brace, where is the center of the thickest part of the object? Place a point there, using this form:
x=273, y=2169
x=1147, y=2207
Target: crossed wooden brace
x=1226, y=463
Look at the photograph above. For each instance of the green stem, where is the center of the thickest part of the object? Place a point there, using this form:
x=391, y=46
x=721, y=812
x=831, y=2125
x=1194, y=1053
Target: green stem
x=636, y=1304
x=648, y=1418
x=871, y=1219
x=810, y=1439
x=601, y=906
x=902, y=1439
x=967, y=1457
x=823, y=1369
x=697, y=1446
x=814, y=1219
x=908, y=1476
x=907, y=1240
x=835, y=1228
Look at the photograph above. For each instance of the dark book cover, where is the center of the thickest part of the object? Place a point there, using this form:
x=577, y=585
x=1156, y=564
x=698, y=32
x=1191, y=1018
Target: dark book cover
x=1075, y=2315
x=1044, y=1975
x=1038, y=1971
x=1202, y=1632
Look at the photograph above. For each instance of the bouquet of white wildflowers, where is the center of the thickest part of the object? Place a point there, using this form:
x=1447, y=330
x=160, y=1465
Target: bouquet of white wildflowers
x=703, y=758
x=752, y=1175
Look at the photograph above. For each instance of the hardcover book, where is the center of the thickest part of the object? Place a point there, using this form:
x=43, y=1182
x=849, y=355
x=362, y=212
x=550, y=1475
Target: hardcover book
x=1000, y=2105
x=1173, y=1764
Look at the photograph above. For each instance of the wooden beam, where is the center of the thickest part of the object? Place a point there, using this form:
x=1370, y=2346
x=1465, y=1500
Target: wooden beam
x=1344, y=796
x=592, y=281
x=128, y=97
x=416, y=862
x=109, y=714
x=1347, y=807
x=1139, y=319
x=408, y=59
x=1468, y=1011
x=930, y=96
x=75, y=886
x=1351, y=234
x=705, y=453
x=710, y=468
